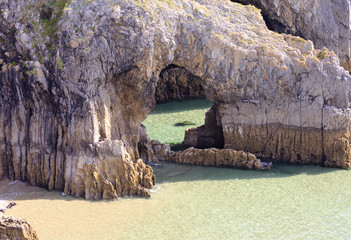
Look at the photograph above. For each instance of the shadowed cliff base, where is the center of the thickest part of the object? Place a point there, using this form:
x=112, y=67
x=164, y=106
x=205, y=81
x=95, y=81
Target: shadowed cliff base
x=173, y=172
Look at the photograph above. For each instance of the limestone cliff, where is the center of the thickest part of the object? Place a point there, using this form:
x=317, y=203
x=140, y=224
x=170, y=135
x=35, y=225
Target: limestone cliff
x=325, y=23
x=79, y=77
x=72, y=129
x=16, y=229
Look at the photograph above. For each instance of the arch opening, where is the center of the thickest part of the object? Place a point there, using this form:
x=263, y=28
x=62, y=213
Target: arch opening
x=183, y=117
x=178, y=83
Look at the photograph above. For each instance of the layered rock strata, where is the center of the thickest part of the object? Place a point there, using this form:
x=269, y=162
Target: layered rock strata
x=79, y=77
x=12, y=228
x=66, y=129
x=326, y=23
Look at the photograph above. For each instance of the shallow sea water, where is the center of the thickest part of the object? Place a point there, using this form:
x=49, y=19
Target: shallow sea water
x=160, y=122
x=192, y=202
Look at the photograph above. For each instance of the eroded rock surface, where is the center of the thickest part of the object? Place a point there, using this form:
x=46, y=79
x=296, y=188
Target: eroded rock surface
x=218, y=158
x=61, y=130
x=12, y=228
x=326, y=23
x=79, y=77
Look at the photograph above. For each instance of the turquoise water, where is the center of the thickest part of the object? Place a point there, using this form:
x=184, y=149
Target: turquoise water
x=189, y=202
x=290, y=202
x=160, y=123
x=192, y=202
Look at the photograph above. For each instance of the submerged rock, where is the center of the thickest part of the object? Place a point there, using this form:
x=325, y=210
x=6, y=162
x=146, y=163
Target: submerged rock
x=12, y=228
x=77, y=81
x=184, y=123
x=10, y=205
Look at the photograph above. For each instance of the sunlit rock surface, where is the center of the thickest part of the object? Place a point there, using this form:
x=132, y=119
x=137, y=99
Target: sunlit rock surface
x=12, y=228
x=218, y=158
x=79, y=77
x=326, y=23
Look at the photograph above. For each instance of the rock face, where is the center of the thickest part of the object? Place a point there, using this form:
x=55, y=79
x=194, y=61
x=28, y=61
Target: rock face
x=79, y=77
x=208, y=135
x=16, y=229
x=326, y=23
x=63, y=128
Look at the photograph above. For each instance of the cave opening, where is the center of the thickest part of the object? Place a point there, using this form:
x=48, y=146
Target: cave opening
x=178, y=83
x=178, y=118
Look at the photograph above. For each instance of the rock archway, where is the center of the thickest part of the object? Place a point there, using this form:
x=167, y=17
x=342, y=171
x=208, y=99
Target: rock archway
x=178, y=83
x=72, y=121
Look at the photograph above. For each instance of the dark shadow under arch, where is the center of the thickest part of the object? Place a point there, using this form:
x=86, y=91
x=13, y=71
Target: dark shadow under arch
x=176, y=83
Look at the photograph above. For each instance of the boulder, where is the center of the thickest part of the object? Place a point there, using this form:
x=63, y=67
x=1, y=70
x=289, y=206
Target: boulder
x=12, y=228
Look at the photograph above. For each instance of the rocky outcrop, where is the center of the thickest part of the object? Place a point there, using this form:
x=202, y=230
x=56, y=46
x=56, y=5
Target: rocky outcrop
x=208, y=135
x=326, y=23
x=79, y=77
x=218, y=158
x=12, y=228
x=208, y=157
x=178, y=83
x=61, y=130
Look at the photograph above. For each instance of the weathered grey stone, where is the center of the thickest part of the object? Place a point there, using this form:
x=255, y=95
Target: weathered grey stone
x=326, y=23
